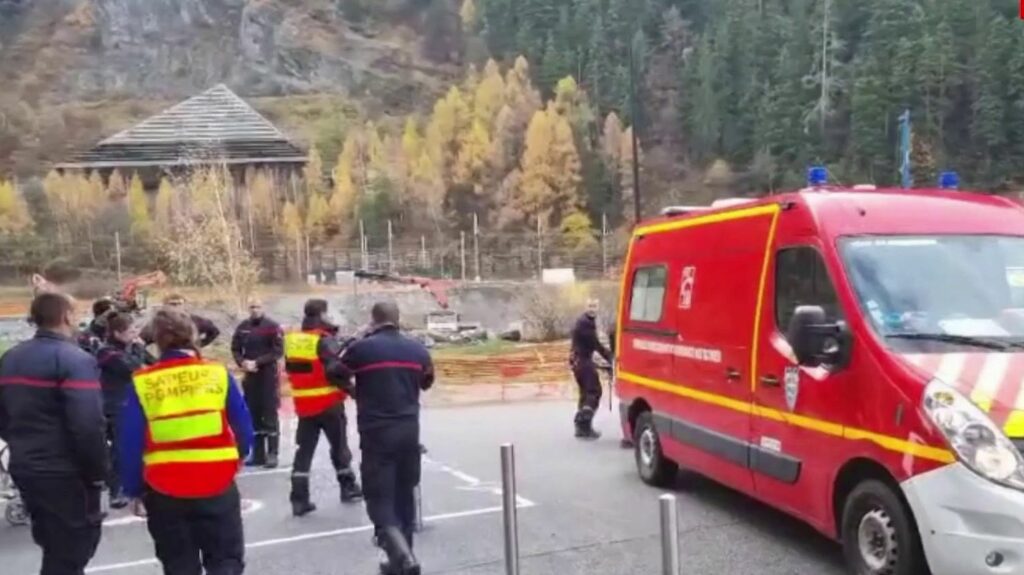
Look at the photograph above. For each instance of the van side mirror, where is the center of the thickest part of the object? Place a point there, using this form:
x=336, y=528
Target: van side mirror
x=815, y=341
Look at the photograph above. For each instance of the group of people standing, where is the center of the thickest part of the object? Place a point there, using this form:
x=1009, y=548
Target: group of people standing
x=167, y=433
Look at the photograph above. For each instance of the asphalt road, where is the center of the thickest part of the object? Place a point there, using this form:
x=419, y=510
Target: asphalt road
x=582, y=510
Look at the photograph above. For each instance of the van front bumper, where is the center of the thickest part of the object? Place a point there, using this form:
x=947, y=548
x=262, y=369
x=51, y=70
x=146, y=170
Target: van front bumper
x=968, y=525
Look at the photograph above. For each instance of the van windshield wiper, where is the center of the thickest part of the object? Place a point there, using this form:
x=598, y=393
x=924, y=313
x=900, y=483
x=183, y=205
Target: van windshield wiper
x=955, y=339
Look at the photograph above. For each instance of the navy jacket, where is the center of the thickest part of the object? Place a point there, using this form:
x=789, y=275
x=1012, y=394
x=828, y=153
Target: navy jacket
x=91, y=338
x=117, y=364
x=585, y=342
x=51, y=410
x=131, y=431
x=261, y=341
x=390, y=370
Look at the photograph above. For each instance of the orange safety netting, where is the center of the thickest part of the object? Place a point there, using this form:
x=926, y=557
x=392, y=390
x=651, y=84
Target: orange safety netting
x=533, y=364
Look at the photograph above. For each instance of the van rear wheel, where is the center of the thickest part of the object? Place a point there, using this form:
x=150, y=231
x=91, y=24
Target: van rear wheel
x=879, y=536
x=651, y=464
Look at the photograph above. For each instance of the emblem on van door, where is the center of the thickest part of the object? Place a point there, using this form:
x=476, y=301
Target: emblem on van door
x=791, y=383
x=686, y=288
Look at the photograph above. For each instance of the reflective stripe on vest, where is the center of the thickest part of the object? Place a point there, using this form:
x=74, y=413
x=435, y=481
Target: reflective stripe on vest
x=314, y=392
x=190, y=450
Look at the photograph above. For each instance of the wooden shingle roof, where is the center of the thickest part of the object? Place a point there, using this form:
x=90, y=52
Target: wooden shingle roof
x=214, y=127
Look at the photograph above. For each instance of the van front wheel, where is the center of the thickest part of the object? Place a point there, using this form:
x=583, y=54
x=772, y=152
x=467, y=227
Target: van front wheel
x=879, y=537
x=651, y=463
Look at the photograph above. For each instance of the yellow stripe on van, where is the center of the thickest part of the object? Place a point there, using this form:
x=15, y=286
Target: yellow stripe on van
x=661, y=227
x=825, y=427
x=756, y=340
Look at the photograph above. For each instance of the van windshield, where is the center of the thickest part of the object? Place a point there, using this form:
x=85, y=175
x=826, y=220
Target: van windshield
x=927, y=293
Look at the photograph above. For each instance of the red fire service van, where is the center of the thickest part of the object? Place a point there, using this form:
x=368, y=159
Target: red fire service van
x=851, y=356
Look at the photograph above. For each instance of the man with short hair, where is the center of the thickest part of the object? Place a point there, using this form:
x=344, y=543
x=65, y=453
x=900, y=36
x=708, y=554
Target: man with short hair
x=319, y=403
x=183, y=429
x=119, y=358
x=585, y=343
x=390, y=371
x=51, y=416
x=257, y=346
x=208, y=332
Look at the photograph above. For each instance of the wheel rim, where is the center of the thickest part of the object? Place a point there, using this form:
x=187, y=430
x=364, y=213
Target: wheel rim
x=876, y=540
x=648, y=446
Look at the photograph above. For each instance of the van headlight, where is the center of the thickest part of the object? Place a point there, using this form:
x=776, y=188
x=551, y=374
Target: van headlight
x=977, y=442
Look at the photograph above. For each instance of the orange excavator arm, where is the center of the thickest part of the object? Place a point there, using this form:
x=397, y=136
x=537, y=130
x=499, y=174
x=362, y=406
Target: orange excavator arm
x=438, y=289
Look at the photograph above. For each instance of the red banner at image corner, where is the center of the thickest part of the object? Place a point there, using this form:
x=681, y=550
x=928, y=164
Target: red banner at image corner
x=1021, y=7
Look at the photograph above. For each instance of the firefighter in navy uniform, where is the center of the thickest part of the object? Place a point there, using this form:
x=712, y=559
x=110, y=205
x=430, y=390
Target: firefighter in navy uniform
x=92, y=337
x=183, y=429
x=51, y=417
x=585, y=343
x=390, y=370
x=257, y=346
x=319, y=404
x=119, y=358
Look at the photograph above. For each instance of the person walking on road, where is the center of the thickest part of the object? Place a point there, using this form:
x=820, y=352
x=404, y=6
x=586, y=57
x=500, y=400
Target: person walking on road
x=208, y=332
x=390, y=370
x=585, y=343
x=51, y=417
x=319, y=403
x=184, y=428
x=257, y=346
x=119, y=358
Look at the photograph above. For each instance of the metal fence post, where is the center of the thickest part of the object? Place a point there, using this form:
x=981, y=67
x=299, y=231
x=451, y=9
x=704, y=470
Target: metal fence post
x=508, y=499
x=669, y=535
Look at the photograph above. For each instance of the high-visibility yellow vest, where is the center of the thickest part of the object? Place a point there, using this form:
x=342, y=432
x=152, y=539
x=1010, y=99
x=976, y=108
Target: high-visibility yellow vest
x=190, y=450
x=312, y=393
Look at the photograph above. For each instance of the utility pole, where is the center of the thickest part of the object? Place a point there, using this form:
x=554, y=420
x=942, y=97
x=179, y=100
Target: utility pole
x=462, y=252
x=540, y=249
x=604, y=244
x=362, y=245
x=476, y=246
x=391, y=261
x=635, y=113
x=423, y=252
x=117, y=251
x=905, y=145
x=824, y=103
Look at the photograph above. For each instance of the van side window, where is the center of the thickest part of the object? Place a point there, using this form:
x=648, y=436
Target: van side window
x=802, y=279
x=648, y=294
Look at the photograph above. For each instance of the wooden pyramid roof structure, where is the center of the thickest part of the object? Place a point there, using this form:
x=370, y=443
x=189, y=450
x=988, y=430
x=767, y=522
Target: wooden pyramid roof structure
x=215, y=127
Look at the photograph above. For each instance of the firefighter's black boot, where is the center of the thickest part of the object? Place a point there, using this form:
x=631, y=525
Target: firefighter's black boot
x=350, y=489
x=400, y=560
x=300, y=496
x=273, y=444
x=585, y=425
x=258, y=458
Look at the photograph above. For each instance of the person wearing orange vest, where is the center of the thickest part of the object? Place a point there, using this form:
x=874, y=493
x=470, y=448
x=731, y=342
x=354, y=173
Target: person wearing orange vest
x=319, y=404
x=183, y=431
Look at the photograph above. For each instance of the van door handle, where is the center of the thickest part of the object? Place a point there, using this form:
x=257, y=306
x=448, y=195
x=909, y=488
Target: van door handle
x=732, y=374
x=769, y=381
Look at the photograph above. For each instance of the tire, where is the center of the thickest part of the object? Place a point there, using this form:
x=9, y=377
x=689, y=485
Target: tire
x=879, y=535
x=652, y=465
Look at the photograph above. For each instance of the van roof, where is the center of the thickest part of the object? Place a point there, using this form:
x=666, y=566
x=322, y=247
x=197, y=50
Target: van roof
x=846, y=211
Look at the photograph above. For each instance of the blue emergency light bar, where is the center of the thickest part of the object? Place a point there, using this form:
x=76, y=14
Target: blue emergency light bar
x=817, y=176
x=949, y=180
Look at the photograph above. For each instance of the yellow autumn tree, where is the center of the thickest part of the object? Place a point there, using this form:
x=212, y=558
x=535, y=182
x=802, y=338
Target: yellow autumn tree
x=117, y=189
x=490, y=96
x=262, y=197
x=577, y=233
x=163, y=207
x=551, y=169
x=318, y=218
x=473, y=154
x=468, y=14
x=313, y=172
x=611, y=142
x=450, y=119
x=14, y=215
x=138, y=209
x=342, y=205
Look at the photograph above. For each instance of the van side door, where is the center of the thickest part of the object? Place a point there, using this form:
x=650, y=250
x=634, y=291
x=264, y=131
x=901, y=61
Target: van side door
x=797, y=433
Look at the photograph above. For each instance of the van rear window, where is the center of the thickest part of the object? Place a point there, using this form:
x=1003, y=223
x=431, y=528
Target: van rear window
x=648, y=294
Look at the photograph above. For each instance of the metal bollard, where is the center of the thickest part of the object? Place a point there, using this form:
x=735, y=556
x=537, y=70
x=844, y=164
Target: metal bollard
x=508, y=500
x=669, y=535
x=418, y=496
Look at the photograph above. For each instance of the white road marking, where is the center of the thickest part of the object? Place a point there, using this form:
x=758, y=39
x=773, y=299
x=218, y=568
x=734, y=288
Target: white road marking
x=474, y=484
x=311, y=536
x=248, y=506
